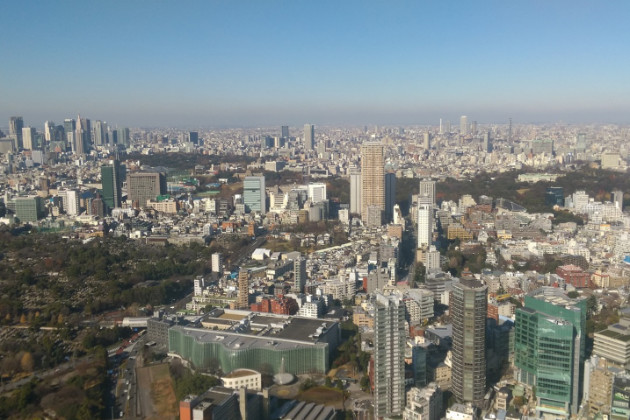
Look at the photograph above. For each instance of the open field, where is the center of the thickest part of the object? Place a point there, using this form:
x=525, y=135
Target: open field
x=156, y=393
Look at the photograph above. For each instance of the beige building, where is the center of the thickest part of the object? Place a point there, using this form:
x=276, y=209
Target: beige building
x=372, y=178
x=600, y=389
x=613, y=344
x=165, y=206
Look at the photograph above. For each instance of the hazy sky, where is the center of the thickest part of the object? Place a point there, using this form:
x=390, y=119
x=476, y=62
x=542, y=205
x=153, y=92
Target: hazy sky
x=264, y=62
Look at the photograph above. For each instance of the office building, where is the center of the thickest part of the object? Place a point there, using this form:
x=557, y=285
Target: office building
x=299, y=274
x=425, y=222
x=145, y=186
x=317, y=192
x=463, y=125
x=427, y=188
x=424, y=403
x=427, y=141
x=28, y=138
x=613, y=344
x=372, y=178
x=71, y=203
x=356, y=188
x=15, y=130
x=193, y=137
x=389, y=355
x=285, y=131
x=309, y=136
x=390, y=195
x=617, y=199
x=554, y=196
x=100, y=133
x=217, y=262
x=123, y=136
x=487, y=142
x=550, y=343
x=29, y=209
x=111, y=183
x=468, y=312
x=49, y=131
x=243, y=290
x=254, y=196
x=79, y=145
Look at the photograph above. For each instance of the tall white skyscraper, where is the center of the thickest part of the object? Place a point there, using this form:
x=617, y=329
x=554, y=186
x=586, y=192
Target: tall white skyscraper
x=427, y=187
x=427, y=140
x=425, y=221
x=463, y=125
x=309, y=136
x=389, y=355
x=356, y=188
x=28, y=138
x=49, y=127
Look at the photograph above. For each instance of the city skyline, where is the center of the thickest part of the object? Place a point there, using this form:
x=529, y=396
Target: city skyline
x=214, y=64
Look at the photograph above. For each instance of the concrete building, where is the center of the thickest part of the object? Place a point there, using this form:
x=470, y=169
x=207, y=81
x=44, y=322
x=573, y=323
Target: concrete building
x=389, y=354
x=243, y=378
x=372, y=179
x=390, y=195
x=613, y=344
x=309, y=136
x=423, y=403
x=145, y=186
x=425, y=222
x=254, y=196
x=243, y=289
x=356, y=188
x=468, y=311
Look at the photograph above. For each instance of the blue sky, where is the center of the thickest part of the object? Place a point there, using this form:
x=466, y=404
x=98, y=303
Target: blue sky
x=250, y=63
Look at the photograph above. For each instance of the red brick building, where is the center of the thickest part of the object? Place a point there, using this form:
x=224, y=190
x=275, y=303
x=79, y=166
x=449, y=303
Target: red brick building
x=574, y=275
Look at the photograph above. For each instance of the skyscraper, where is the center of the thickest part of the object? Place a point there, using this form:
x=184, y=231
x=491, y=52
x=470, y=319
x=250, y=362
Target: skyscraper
x=122, y=135
x=111, y=183
x=243, y=289
x=372, y=178
x=193, y=137
x=355, y=191
x=100, y=133
x=427, y=139
x=49, y=129
x=144, y=186
x=309, y=136
x=463, y=125
x=317, y=192
x=427, y=187
x=617, y=199
x=15, y=130
x=390, y=195
x=28, y=138
x=487, y=142
x=425, y=222
x=285, y=131
x=79, y=137
x=549, y=349
x=468, y=311
x=299, y=274
x=254, y=196
x=389, y=355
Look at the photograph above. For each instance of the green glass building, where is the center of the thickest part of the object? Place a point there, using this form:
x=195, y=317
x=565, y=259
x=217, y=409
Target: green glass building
x=205, y=348
x=550, y=340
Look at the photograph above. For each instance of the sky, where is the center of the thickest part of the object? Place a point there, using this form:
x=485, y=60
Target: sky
x=230, y=63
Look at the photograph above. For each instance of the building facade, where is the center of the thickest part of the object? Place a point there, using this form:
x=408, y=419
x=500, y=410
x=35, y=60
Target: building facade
x=254, y=196
x=372, y=178
x=468, y=311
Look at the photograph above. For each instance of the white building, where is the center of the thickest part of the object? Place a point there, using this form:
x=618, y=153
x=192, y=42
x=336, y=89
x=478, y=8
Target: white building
x=425, y=221
x=317, y=192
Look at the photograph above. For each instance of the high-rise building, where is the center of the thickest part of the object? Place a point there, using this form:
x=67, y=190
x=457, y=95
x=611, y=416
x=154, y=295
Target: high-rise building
x=309, y=136
x=29, y=209
x=285, y=131
x=425, y=222
x=28, y=138
x=487, y=142
x=254, y=196
x=299, y=274
x=111, y=184
x=355, y=191
x=427, y=139
x=317, y=192
x=144, y=186
x=390, y=195
x=71, y=203
x=16, y=124
x=550, y=346
x=617, y=199
x=243, y=289
x=468, y=311
x=100, y=133
x=193, y=137
x=463, y=125
x=427, y=188
x=217, y=262
x=79, y=145
x=123, y=137
x=389, y=355
x=49, y=130
x=372, y=178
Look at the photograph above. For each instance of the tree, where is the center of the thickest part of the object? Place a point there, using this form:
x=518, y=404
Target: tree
x=26, y=362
